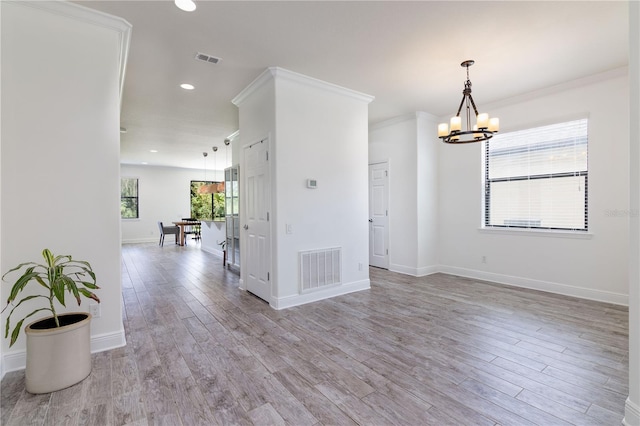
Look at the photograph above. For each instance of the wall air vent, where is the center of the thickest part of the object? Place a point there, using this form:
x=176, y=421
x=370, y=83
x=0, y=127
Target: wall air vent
x=320, y=268
x=207, y=58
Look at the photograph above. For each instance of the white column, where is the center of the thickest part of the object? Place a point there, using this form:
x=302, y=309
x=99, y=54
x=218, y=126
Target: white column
x=632, y=407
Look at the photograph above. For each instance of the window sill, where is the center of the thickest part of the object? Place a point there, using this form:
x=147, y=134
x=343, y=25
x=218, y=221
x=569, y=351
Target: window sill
x=537, y=233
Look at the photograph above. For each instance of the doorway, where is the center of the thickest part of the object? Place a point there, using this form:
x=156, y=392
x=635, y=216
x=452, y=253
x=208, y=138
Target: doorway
x=379, y=215
x=257, y=233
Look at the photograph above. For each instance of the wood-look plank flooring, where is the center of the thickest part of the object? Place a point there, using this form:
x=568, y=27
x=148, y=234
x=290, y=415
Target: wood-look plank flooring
x=437, y=350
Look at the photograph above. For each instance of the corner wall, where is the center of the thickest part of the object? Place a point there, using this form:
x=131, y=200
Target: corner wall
x=60, y=150
x=321, y=135
x=411, y=150
x=310, y=124
x=591, y=267
x=632, y=406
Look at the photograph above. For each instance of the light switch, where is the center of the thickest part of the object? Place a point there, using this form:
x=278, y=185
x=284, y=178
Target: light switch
x=288, y=228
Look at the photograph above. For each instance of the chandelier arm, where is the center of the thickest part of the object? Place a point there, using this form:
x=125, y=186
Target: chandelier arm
x=473, y=104
x=460, y=107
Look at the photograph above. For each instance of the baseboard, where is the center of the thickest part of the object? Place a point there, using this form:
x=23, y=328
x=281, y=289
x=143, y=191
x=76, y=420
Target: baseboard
x=17, y=360
x=414, y=272
x=140, y=240
x=213, y=251
x=550, y=287
x=301, y=299
x=631, y=414
x=108, y=341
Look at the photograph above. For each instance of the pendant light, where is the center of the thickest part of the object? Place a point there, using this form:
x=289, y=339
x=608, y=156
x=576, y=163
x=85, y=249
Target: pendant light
x=203, y=188
x=484, y=128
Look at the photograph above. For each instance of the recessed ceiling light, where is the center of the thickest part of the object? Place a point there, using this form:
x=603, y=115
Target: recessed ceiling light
x=144, y=162
x=187, y=86
x=153, y=150
x=186, y=5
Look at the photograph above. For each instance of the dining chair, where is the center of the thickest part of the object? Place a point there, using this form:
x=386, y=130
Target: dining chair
x=164, y=230
x=191, y=229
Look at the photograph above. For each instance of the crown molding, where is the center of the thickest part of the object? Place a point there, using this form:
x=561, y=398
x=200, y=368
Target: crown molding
x=90, y=16
x=277, y=73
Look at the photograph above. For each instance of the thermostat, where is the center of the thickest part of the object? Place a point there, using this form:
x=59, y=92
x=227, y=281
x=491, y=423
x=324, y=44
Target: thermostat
x=312, y=183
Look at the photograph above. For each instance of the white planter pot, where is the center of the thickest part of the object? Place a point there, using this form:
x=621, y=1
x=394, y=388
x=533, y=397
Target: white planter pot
x=58, y=357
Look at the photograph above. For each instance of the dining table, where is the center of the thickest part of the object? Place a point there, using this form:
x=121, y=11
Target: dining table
x=182, y=224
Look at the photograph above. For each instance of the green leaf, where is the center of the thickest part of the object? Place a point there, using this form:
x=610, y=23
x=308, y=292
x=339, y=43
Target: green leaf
x=19, y=285
x=48, y=257
x=92, y=286
x=8, y=326
x=20, y=266
x=16, y=330
x=57, y=287
x=90, y=295
x=73, y=289
x=41, y=282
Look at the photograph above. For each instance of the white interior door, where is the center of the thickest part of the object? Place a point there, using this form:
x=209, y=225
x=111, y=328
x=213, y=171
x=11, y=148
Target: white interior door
x=257, y=231
x=379, y=215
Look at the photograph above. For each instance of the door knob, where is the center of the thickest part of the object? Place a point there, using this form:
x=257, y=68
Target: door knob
x=246, y=226
x=370, y=220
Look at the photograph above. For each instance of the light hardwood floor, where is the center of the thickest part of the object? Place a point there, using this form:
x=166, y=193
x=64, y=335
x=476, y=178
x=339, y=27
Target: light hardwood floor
x=440, y=350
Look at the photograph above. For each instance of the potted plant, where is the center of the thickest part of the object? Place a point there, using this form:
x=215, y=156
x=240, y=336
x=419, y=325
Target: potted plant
x=58, y=346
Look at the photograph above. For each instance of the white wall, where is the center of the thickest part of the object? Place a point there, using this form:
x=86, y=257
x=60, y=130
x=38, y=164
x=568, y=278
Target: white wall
x=311, y=124
x=60, y=149
x=406, y=143
x=427, y=194
x=322, y=135
x=595, y=267
x=257, y=120
x=632, y=406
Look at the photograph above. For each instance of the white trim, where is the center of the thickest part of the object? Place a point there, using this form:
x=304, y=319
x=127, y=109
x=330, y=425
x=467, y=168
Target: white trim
x=302, y=299
x=281, y=73
x=17, y=360
x=631, y=414
x=141, y=240
x=108, y=341
x=213, y=251
x=259, y=81
x=561, y=87
x=414, y=272
x=94, y=17
x=513, y=281
x=547, y=286
x=531, y=232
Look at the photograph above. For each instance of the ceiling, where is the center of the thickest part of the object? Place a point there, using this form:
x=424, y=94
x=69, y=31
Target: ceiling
x=406, y=54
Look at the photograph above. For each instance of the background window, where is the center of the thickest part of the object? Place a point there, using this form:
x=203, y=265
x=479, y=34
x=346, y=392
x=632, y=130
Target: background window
x=207, y=200
x=537, y=178
x=129, y=198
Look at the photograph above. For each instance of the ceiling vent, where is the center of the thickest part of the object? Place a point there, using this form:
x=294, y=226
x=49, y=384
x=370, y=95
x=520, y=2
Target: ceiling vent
x=207, y=58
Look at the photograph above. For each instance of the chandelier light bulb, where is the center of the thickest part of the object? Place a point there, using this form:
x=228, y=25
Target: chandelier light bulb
x=482, y=121
x=494, y=124
x=456, y=123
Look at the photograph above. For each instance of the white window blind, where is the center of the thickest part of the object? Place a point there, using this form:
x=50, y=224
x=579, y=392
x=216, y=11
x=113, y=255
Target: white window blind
x=537, y=178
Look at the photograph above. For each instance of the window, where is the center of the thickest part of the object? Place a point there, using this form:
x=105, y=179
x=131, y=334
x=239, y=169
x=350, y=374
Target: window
x=129, y=198
x=207, y=200
x=537, y=178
